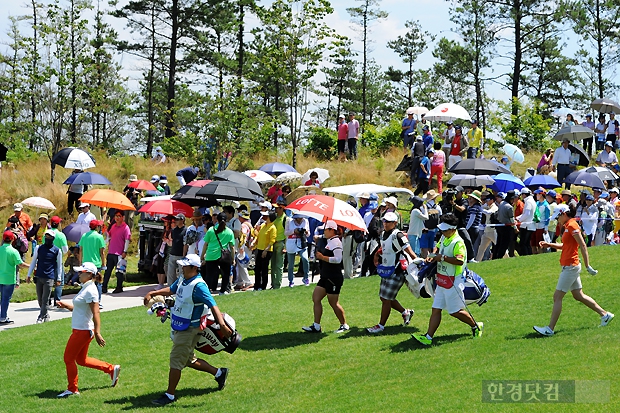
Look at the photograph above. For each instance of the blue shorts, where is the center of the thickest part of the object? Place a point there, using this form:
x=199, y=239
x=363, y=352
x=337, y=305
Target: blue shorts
x=427, y=240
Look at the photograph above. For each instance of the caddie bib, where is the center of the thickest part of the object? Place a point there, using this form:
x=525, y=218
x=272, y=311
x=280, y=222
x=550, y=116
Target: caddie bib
x=181, y=313
x=389, y=259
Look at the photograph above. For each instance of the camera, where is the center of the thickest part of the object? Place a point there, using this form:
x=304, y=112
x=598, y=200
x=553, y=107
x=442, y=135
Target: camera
x=448, y=195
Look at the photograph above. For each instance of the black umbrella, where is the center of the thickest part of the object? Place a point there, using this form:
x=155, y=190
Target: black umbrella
x=74, y=158
x=604, y=173
x=478, y=166
x=240, y=178
x=226, y=190
x=405, y=164
x=3, y=151
x=584, y=159
x=584, y=178
x=189, y=195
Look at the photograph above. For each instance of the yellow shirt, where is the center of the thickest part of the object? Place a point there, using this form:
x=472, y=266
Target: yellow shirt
x=266, y=236
x=474, y=136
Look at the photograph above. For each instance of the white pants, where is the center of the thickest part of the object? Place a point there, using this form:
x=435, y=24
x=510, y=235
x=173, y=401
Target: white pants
x=181, y=180
x=243, y=277
x=348, y=246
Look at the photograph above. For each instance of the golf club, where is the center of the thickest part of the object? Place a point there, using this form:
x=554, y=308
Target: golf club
x=467, y=308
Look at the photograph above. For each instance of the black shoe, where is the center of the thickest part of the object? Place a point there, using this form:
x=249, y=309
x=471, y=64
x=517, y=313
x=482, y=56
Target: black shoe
x=117, y=290
x=163, y=400
x=104, y=291
x=221, y=381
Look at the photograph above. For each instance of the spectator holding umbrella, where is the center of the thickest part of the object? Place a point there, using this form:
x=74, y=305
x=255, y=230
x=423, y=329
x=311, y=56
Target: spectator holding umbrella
x=74, y=193
x=216, y=239
x=587, y=143
x=10, y=261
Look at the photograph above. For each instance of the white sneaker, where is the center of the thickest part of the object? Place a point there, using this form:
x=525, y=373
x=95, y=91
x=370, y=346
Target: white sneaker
x=375, y=329
x=67, y=393
x=606, y=319
x=342, y=329
x=115, y=373
x=545, y=331
x=407, y=317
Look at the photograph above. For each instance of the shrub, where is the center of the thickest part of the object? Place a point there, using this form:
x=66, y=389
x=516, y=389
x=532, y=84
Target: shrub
x=322, y=143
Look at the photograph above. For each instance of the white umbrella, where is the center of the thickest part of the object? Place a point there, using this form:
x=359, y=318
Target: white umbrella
x=322, y=173
x=73, y=158
x=288, y=176
x=514, y=152
x=417, y=110
x=355, y=190
x=561, y=112
x=38, y=202
x=448, y=112
x=259, y=176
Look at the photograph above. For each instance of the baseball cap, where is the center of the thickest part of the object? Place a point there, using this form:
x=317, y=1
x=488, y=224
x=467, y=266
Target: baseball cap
x=501, y=195
x=444, y=227
x=552, y=193
x=264, y=213
x=560, y=209
x=516, y=192
x=154, y=178
x=50, y=233
x=95, y=223
x=83, y=205
x=189, y=260
x=179, y=216
x=373, y=205
x=539, y=191
x=265, y=204
x=425, y=127
x=390, y=217
x=18, y=206
x=341, y=117
x=525, y=190
x=605, y=195
x=158, y=148
x=392, y=200
x=8, y=236
x=244, y=214
x=163, y=179
x=364, y=195
x=373, y=197
x=331, y=224
x=589, y=198
x=608, y=143
x=297, y=216
x=56, y=219
x=458, y=127
x=86, y=267
x=459, y=188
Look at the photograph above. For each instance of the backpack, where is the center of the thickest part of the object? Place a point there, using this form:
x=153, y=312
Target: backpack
x=191, y=236
x=494, y=218
x=433, y=219
x=20, y=243
x=358, y=236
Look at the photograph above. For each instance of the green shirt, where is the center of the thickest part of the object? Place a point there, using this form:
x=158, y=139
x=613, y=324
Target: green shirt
x=452, y=247
x=91, y=244
x=9, y=260
x=279, y=224
x=226, y=237
x=60, y=240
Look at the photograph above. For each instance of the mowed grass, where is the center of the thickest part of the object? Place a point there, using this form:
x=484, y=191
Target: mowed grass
x=278, y=368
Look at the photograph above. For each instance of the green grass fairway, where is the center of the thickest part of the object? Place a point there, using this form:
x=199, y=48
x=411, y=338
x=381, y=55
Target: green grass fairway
x=279, y=368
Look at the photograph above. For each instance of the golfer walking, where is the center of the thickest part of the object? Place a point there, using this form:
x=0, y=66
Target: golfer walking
x=569, y=280
x=192, y=295
x=86, y=325
x=451, y=256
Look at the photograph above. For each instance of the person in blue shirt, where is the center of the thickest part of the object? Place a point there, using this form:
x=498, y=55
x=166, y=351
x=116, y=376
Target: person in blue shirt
x=408, y=133
x=424, y=172
x=190, y=290
x=187, y=175
x=427, y=137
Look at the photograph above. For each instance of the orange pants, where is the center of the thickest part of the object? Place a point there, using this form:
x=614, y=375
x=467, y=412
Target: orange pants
x=77, y=352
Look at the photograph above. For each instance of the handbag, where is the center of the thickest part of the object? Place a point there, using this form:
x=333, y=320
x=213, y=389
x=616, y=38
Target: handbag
x=225, y=255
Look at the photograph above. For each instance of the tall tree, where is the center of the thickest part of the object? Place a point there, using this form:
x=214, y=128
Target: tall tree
x=364, y=17
x=338, y=77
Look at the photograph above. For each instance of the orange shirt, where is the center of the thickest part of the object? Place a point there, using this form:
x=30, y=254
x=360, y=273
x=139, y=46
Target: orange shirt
x=25, y=221
x=519, y=206
x=570, y=248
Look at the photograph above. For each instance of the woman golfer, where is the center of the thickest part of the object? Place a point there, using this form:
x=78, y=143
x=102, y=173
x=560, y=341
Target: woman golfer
x=86, y=325
x=330, y=258
x=569, y=280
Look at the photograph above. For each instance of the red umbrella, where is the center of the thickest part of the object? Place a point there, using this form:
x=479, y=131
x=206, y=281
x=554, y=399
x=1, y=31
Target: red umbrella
x=167, y=207
x=142, y=185
x=199, y=183
x=324, y=207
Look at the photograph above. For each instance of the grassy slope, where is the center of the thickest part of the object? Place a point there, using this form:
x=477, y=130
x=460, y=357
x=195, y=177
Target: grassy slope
x=280, y=369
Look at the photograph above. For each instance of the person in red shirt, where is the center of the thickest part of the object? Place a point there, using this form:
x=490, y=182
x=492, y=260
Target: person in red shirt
x=343, y=133
x=275, y=192
x=569, y=279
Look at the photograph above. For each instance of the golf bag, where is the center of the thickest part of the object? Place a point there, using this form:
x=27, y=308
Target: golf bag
x=211, y=340
x=421, y=282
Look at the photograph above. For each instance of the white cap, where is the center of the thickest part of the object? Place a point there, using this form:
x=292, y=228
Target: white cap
x=84, y=204
x=154, y=178
x=158, y=148
x=190, y=259
x=390, y=217
x=559, y=209
x=18, y=207
x=51, y=233
x=86, y=267
x=331, y=224
x=444, y=227
x=392, y=200
x=526, y=190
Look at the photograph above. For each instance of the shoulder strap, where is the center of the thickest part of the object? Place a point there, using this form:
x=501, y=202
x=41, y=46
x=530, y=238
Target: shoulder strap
x=217, y=238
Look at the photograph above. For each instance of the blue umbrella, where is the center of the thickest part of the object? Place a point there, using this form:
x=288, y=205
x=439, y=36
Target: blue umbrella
x=87, y=178
x=74, y=232
x=545, y=181
x=276, y=168
x=506, y=182
x=584, y=178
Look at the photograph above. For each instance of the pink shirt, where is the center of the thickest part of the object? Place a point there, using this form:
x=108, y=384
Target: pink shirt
x=118, y=236
x=343, y=131
x=439, y=159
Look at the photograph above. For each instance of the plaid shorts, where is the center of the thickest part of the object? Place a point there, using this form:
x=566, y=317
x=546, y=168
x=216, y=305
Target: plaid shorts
x=390, y=286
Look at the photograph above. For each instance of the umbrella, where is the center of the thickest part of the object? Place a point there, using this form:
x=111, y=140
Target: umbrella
x=73, y=158
x=301, y=191
x=604, y=105
x=405, y=164
x=87, y=178
x=604, y=173
x=276, y=168
x=166, y=207
x=288, y=176
x=584, y=179
x=142, y=185
x=322, y=173
x=448, y=112
x=355, y=190
x=259, y=176
x=241, y=179
x=478, y=166
x=188, y=195
x=574, y=133
x=3, y=151
x=561, y=112
x=198, y=183
x=514, y=152
x=584, y=159
x=417, y=110
x=545, y=181
x=323, y=207
x=226, y=190
x=74, y=232
x=107, y=198
x=506, y=182
x=38, y=202
x=470, y=180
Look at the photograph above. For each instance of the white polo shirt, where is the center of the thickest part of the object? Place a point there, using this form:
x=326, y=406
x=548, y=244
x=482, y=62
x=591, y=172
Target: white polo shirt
x=82, y=318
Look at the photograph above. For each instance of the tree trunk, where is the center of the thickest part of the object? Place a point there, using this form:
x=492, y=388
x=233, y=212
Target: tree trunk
x=170, y=112
x=364, y=65
x=516, y=72
x=599, y=51
x=34, y=69
x=240, y=63
x=73, y=131
x=150, y=82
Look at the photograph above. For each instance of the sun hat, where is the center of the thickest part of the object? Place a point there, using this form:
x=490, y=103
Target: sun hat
x=331, y=224
x=158, y=148
x=614, y=190
x=133, y=178
x=190, y=259
x=566, y=192
x=364, y=195
x=44, y=215
x=244, y=214
x=560, y=209
x=608, y=143
x=476, y=195
x=390, y=217
x=432, y=194
x=264, y=213
x=18, y=206
x=444, y=227
x=86, y=267
x=392, y=200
